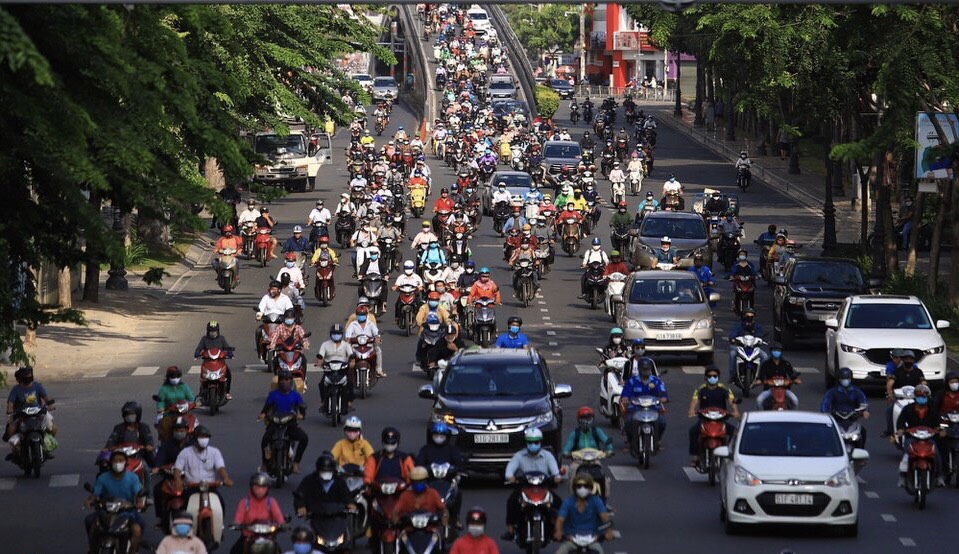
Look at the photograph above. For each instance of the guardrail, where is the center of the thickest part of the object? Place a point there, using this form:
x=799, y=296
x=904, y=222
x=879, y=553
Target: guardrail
x=517, y=56
x=639, y=93
x=412, y=32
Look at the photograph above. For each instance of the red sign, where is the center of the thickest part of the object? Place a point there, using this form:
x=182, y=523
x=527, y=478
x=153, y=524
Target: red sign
x=626, y=40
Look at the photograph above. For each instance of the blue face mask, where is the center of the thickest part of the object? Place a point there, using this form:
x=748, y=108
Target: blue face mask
x=433, y=303
x=302, y=548
x=361, y=318
x=289, y=321
x=290, y=264
x=514, y=329
x=845, y=382
x=419, y=487
x=776, y=354
x=922, y=400
x=533, y=447
x=374, y=257
x=182, y=529
x=336, y=337
x=712, y=380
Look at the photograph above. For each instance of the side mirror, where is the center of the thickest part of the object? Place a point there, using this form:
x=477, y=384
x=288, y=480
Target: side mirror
x=713, y=297
x=832, y=323
x=562, y=391
x=722, y=452
x=156, y=398
x=859, y=455
x=942, y=324
x=779, y=280
x=426, y=391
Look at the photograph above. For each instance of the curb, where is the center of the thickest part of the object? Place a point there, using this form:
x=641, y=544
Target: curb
x=190, y=260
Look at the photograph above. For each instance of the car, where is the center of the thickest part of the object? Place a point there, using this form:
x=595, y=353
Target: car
x=480, y=19
x=670, y=311
x=365, y=81
x=490, y=396
x=867, y=327
x=809, y=292
x=501, y=90
x=556, y=155
x=686, y=230
x=517, y=183
x=561, y=87
x=383, y=86
x=501, y=108
x=789, y=467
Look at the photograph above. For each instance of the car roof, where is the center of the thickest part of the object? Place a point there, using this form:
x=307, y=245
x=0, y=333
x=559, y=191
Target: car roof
x=824, y=259
x=385, y=77
x=683, y=215
x=549, y=142
x=363, y=76
x=797, y=416
x=883, y=299
x=660, y=274
x=473, y=355
x=512, y=173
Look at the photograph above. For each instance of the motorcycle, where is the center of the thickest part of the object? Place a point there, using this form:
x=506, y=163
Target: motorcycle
x=417, y=200
x=262, y=244
x=380, y=124
x=248, y=232
x=459, y=247
x=595, y=284
x=728, y=249
x=517, y=158
x=588, y=113
x=611, y=387
x=484, y=321
x=173, y=413
x=373, y=288
x=571, y=236
x=364, y=354
x=744, y=287
x=345, y=226
x=743, y=178
x=950, y=447
x=112, y=525
x=614, y=300
x=417, y=534
x=618, y=190
x=207, y=510
x=332, y=529
x=620, y=239
x=574, y=114
x=335, y=380
x=712, y=435
x=622, y=149
x=226, y=277
x=325, y=287
x=748, y=354
x=543, y=255
x=645, y=409
x=536, y=528
x=590, y=462
x=262, y=536
x=432, y=272
x=904, y=396
x=920, y=479
x=280, y=464
x=289, y=357
x=388, y=254
x=384, y=496
x=358, y=519
x=445, y=479
x=501, y=212
x=213, y=370
x=850, y=426
x=408, y=307
x=673, y=201
x=635, y=182
x=32, y=452
x=523, y=277
x=777, y=389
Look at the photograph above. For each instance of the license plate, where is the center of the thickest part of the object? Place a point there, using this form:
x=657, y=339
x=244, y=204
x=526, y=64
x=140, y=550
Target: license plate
x=490, y=438
x=794, y=499
x=669, y=336
x=824, y=317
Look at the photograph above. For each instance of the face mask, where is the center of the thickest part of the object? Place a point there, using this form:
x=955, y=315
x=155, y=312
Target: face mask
x=182, y=529
x=644, y=374
x=352, y=435
x=954, y=387
x=119, y=467
x=617, y=340
x=179, y=435
x=408, y=271
x=470, y=270
x=434, y=246
x=326, y=475
x=922, y=400
x=419, y=487
x=130, y=418
x=390, y=447
x=534, y=447
x=514, y=329
x=213, y=334
x=476, y=530
x=361, y=318
x=582, y=492
x=174, y=381
x=203, y=442
x=712, y=380
x=596, y=248
x=290, y=264
x=302, y=548
x=433, y=303
x=845, y=382
x=639, y=351
x=776, y=354
x=374, y=257
x=742, y=258
x=585, y=424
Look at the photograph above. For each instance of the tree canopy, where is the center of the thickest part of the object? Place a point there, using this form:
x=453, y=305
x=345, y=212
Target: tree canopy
x=544, y=27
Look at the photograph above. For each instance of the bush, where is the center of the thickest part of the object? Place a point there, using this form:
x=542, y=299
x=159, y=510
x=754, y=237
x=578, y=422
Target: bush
x=547, y=101
x=918, y=285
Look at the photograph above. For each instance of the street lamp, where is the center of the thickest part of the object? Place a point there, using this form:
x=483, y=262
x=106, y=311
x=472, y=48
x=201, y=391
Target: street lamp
x=117, y=279
x=678, y=110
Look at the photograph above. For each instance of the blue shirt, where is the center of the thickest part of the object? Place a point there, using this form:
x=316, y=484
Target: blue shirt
x=740, y=330
x=293, y=245
x=433, y=255
x=842, y=399
x=507, y=341
x=704, y=274
x=30, y=395
x=644, y=203
x=283, y=403
x=664, y=256
x=594, y=438
x=509, y=223
x=124, y=488
x=653, y=387
x=585, y=522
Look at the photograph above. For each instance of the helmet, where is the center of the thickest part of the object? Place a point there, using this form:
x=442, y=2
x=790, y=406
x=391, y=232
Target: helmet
x=284, y=374
x=427, y=224
x=362, y=310
x=227, y=228
x=390, y=435
x=616, y=331
x=302, y=534
x=533, y=434
x=666, y=240
x=639, y=342
x=132, y=407
x=951, y=375
x=527, y=227
x=289, y=313
x=353, y=422
x=325, y=462
x=432, y=319
x=476, y=516
x=290, y=256
x=213, y=325
x=596, y=241
x=274, y=284
x=202, y=431
x=260, y=480
x=433, y=295
x=775, y=346
x=408, y=264
x=711, y=368
x=614, y=254
x=514, y=319
x=336, y=328
x=172, y=371
x=419, y=473
x=844, y=373
x=621, y=205
x=583, y=480
x=297, y=229
x=484, y=271
x=440, y=428
x=922, y=390
x=324, y=239
x=585, y=411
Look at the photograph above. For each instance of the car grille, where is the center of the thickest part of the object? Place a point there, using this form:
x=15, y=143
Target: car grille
x=284, y=169
x=822, y=305
x=881, y=355
x=555, y=168
x=767, y=501
x=503, y=425
x=668, y=325
x=680, y=342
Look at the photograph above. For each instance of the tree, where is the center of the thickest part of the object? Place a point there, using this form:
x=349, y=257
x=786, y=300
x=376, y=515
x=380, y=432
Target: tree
x=544, y=27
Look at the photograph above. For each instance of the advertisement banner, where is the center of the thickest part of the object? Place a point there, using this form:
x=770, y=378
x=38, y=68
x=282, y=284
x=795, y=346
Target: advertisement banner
x=626, y=40
x=929, y=164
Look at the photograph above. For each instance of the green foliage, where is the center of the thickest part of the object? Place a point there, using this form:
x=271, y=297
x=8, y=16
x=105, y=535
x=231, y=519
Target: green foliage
x=544, y=27
x=547, y=101
x=917, y=284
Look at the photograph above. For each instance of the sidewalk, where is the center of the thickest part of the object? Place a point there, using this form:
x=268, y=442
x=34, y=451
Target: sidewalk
x=807, y=188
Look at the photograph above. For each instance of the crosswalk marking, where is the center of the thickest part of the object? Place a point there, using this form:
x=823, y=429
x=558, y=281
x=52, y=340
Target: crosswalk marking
x=861, y=480
x=626, y=473
x=693, y=369
x=695, y=476
x=7, y=484
x=553, y=343
x=550, y=333
x=194, y=370
x=65, y=480
x=888, y=518
x=906, y=541
x=807, y=370
x=251, y=368
x=98, y=374
x=871, y=494
x=146, y=370
x=313, y=369
x=587, y=369
x=546, y=318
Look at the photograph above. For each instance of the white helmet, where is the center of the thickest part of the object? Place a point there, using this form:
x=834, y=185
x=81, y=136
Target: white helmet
x=408, y=264
x=353, y=422
x=533, y=434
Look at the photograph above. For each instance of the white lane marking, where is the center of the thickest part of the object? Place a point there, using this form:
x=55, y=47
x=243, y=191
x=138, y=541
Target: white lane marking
x=7, y=484
x=861, y=480
x=550, y=333
x=194, y=370
x=146, y=370
x=906, y=541
x=693, y=369
x=546, y=318
x=888, y=518
x=557, y=353
x=311, y=368
x=587, y=369
x=553, y=343
x=98, y=374
x=695, y=476
x=547, y=323
x=544, y=309
x=65, y=480
x=541, y=302
x=871, y=495
x=719, y=330
x=807, y=370
x=626, y=473
x=250, y=368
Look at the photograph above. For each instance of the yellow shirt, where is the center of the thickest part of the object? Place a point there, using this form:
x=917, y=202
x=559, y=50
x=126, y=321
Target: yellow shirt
x=329, y=252
x=578, y=204
x=367, y=140
x=347, y=452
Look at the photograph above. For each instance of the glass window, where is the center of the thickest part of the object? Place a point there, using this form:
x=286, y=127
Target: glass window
x=384, y=82
x=831, y=275
x=665, y=291
x=494, y=380
x=562, y=151
x=674, y=228
x=887, y=316
x=790, y=438
x=276, y=144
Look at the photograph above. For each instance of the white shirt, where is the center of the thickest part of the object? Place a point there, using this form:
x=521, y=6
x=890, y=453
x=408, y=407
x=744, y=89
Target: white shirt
x=270, y=306
x=321, y=215
x=345, y=206
x=335, y=352
x=617, y=175
x=199, y=467
x=595, y=256
x=248, y=215
x=423, y=238
x=296, y=276
x=635, y=166
x=354, y=330
x=404, y=279
x=450, y=274
x=500, y=196
x=672, y=186
x=358, y=181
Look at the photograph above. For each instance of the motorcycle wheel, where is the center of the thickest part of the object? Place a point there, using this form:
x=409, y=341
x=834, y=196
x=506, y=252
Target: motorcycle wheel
x=213, y=401
x=334, y=401
x=279, y=468
x=743, y=386
x=485, y=337
x=647, y=452
x=711, y=468
x=324, y=296
x=261, y=258
x=593, y=299
x=525, y=294
x=36, y=459
x=362, y=378
x=618, y=309
x=407, y=322
x=921, y=496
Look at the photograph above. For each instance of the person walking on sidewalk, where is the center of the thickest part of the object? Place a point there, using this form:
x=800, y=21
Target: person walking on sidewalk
x=782, y=141
x=709, y=114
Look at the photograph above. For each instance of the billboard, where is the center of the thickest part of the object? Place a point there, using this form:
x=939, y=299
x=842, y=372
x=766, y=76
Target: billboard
x=626, y=40
x=930, y=165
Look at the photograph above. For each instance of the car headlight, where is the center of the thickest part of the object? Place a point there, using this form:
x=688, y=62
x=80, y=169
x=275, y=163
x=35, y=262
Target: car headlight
x=743, y=477
x=632, y=324
x=543, y=418
x=937, y=350
x=444, y=417
x=302, y=167
x=850, y=348
x=795, y=300
x=841, y=479
x=704, y=323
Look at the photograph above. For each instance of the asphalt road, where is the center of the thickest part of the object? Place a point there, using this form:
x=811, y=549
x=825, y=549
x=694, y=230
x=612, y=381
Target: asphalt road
x=656, y=508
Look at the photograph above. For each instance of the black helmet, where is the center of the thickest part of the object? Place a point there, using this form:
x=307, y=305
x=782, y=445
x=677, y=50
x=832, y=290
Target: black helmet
x=950, y=375
x=212, y=326
x=844, y=373
x=24, y=374
x=336, y=328
x=515, y=319
x=302, y=534
x=284, y=374
x=390, y=435
x=284, y=280
x=132, y=407
x=646, y=363
x=325, y=462
x=711, y=368
x=450, y=329
x=476, y=516
x=260, y=480
x=775, y=346
x=202, y=431
x=274, y=284
x=289, y=313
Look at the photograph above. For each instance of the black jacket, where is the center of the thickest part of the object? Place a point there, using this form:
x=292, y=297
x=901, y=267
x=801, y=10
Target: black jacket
x=310, y=493
x=433, y=454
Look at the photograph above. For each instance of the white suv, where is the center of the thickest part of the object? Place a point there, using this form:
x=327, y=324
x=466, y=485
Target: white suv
x=480, y=19
x=867, y=327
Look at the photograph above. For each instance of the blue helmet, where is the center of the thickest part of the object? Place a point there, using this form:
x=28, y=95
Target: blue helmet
x=596, y=241
x=440, y=428
x=484, y=270
x=470, y=263
x=639, y=342
x=617, y=331
x=432, y=319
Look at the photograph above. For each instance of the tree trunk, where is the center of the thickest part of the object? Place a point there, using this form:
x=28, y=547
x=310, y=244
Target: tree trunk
x=953, y=273
x=64, y=288
x=729, y=114
x=91, y=273
x=700, y=92
x=935, y=249
x=890, y=246
x=710, y=85
x=913, y=244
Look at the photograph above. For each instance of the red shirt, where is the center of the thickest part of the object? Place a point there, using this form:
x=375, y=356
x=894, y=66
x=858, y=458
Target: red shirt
x=250, y=510
x=410, y=502
x=469, y=545
x=620, y=267
x=566, y=214
x=443, y=204
x=950, y=403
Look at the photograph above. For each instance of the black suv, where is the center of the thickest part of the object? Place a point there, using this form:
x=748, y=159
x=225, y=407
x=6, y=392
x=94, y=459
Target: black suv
x=491, y=396
x=556, y=155
x=809, y=292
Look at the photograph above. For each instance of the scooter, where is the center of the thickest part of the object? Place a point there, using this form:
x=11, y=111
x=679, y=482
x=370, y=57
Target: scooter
x=345, y=226
x=620, y=239
x=611, y=387
x=173, y=413
x=268, y=324
x=213, y=370
x=408, y=307
x=618, y=190
x=364, y=356
x=778, y=399
x=635, y=182
x=289, y=356
x=385, y=495
x=445, y=479
x=745, y=293
x=614, y=299
x=950, y=447
x=523, y=278
x=920, y=479
x=373, y=288
x=904, y=397
x=359, y=518
x=262, y=244
x=743, y=178
x=418, y=534
x=484, y=321
x=644, y=409
x=31, y=453
x=571, y=236
x=850, y=425
x=262, y=536
x=248, y=232
x=331, y=529
x=590, y=462
x=226, y=277
x=748, y=351
x=535, y=530
x=112, y=526
x=280, y=464
x=712, y=435
x=335, y=381
x=595, y=284
x=204, y=505
x=325, y=287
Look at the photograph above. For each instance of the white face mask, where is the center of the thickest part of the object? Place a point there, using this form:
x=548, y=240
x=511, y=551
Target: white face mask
x=203, y=442
x=954, y=386
x=119, y=467
x=439, y=439
x=174, y=381
x=582, y=492
x=596, y=248
x=408, y=271
x=476, y=530
x=326, y=475
x=390, y=447
x=617, y=340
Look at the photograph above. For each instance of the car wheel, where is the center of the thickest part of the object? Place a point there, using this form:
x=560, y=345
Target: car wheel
x=732, y=528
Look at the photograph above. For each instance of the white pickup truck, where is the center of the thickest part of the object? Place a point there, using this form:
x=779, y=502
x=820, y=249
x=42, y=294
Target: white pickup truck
x=293, y=160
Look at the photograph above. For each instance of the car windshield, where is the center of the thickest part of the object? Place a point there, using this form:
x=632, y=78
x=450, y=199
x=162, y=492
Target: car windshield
x=665, y=291
x=559, y=83
x=494, y=380
x=790, y=438
x=887, y=316
x=277, y=144
x=561, y=151
x=363, y=78
x=674, y=228
x=478, y=16
x=518, y=180
x=384, y=82
x=502, y=84
x=832, y=275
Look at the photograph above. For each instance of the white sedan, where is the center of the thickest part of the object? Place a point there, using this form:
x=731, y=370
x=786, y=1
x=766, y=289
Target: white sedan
x=789, y=468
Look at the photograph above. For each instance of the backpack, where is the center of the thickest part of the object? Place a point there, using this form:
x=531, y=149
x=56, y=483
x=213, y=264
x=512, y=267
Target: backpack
x=595, y=434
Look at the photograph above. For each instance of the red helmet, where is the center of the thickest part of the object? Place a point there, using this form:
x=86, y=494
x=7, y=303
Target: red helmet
x=324, y=240
x=433, y=296
x=227, y=228
x=585, y=411
x=362, y=310
x=291, y=256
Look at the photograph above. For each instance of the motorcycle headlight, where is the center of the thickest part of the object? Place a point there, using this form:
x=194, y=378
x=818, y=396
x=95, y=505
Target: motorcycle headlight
x=937, y=350
x=543, y=418
x=632, y=324
x=796, y=300
x=841, y=479
x=704, y=323
x=743, y=477
x=852, y=349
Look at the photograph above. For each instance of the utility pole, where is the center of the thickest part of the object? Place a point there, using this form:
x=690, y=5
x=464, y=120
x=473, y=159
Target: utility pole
x=582, y=44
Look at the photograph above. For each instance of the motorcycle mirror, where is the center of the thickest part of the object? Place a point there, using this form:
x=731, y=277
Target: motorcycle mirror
x=426, y=391
x=714, y=297
x=308, y=334
x=156, y=398
x=722, y=452
x=859, y=455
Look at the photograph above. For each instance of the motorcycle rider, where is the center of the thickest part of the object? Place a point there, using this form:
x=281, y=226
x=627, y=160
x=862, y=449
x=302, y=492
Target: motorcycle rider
x=451, y=274
x=420, y=496
x=587, y=142
x=256, y=507
x=249, y=215
x=616, y=264
x=200, y=463
x=425, y=236
x=444, y=203
x=433, y=254
x=475, y=541
x=948, y=400
x=525, y=252
x=297, y=243
x=432, y=307
x=644, y=384
x=711, y=394
x=664, y=254
x=500, y=194
x=621, y=218
x=273, y=305
x=918, y=414
x=583, y=513
x=516, y=220
x=446, y=348
x=617, y=175
x=172, y=390
x=440, y=449
x=672, y=186
x=570, y=213
x=118, y=484
x=303, y=541
x=730, y=225
x=290, y=332
x=284, y=400
x=513, y=338
x=165, y=456
x=616, y=347
x=226, y=241
x=325, y=250
x=769, y=236
x=484, y=287
x=181, y=538
x=715, y=204
x=363, y=326
x=846, y=397
x=468, y=277
x=704, y=274
x=408, y=277
x=777, y=249
x=131, y=431
x=908, y=374
x=388, y=462
x=321, y=487
x=744, y=163
x=353, y=448
x=319, y=214
x=214, y=340
x=746, y=326
x=533, y=458
x=266, y=221
x=586, y=435
x=594, y=254
x=743, y=266
x=776, y=366
x=335, y=350
x=650, y=201
x=345, y=205
x=26, y=392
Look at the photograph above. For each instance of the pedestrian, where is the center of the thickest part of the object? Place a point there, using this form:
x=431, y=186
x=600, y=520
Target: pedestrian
x=709, y=111
x=782, y=141
x=720, y=110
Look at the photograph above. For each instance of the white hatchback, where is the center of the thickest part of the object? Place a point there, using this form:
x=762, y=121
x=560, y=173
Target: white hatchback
x=480, y=19
x=867, y=327
x=789, y=467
